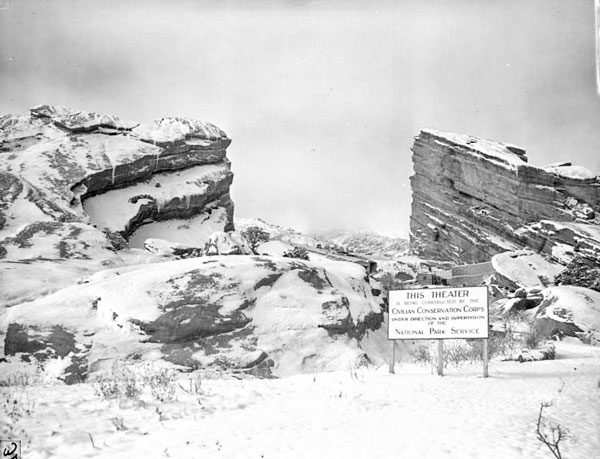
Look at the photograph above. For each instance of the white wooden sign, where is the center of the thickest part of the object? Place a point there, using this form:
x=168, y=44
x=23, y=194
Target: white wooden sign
x=439, y=313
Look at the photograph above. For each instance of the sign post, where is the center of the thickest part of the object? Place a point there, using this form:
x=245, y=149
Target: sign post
x=485, y=358
x=438, y=314
x=440, y=362
x=393, y=362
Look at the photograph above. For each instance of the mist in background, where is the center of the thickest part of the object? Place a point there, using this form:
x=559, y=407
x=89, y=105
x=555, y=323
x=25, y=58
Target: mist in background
x=322, y=99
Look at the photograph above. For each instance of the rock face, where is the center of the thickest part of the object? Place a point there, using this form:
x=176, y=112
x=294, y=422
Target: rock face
x=474, y=198
x=55, y=159
x=222, y=312
x=75, y=186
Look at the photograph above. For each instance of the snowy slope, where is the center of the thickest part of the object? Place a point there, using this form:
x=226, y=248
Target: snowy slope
x=368, y=243
x=358, y=414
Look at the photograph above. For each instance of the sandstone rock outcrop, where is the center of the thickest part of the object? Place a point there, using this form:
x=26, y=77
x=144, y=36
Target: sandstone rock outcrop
x=75, y=186
x=210, y=312
x=56, y=158
x=474, y=198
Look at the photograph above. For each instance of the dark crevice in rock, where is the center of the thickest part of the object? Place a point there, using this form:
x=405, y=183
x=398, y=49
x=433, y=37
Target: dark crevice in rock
x=268, y=280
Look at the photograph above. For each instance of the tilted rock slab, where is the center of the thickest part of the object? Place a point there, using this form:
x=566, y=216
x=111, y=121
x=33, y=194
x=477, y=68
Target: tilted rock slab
x=474, y=198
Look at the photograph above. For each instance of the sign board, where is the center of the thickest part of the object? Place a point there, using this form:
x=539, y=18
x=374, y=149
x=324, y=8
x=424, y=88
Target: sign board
x=438, y=313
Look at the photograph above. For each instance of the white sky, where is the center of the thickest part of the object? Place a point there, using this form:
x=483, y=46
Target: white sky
x=322, y=99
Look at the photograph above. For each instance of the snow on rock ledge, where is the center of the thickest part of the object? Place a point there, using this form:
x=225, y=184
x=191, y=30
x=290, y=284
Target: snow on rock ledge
x=525, y=268
x=58, y=157
x=61, y=167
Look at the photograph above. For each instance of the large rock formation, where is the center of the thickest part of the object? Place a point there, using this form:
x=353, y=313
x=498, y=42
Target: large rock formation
x=474, y=198
x=79, y=190
x=55, y=159
x=76, y=186
x=223, y=312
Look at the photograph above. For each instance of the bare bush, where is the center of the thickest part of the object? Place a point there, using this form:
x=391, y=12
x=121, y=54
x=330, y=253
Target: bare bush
x=128, y=382
x=459, y=352
x=550, y=434
x=15, y=405
x=421, y=355
x=297, y=252
x=162, y=385
x=122, y=383
x=193, y=386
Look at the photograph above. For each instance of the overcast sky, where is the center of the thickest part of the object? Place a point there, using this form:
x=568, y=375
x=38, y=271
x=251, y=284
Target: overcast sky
x=322, y=99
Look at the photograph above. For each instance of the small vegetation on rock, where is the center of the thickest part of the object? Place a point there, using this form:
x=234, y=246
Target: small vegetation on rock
x=255, y=236
x=297, y=252
x=117, y=240
x=581, y=272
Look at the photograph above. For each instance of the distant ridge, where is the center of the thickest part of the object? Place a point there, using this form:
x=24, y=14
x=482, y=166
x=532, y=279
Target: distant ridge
x=364, y=243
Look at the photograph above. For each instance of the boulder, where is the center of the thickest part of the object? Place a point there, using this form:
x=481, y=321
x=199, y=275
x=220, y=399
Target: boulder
x=545, y=352
x=231, y=312
x=54, y=342
x=221, y=243
x=569, y=311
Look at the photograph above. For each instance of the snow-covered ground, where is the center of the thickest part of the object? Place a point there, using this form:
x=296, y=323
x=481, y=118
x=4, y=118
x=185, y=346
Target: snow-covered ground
x=359, y=413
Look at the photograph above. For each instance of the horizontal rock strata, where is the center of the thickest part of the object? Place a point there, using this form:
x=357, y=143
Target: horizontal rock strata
x=56, y=158
x=75, y=186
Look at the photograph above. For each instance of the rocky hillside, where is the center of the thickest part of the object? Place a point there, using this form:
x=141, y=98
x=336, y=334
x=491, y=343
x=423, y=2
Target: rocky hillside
x=76, y=186
x=57, y=162
x=473, y=198
x=117, y=243
x=361, y=243
x=367, y=243
x=279, y=233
